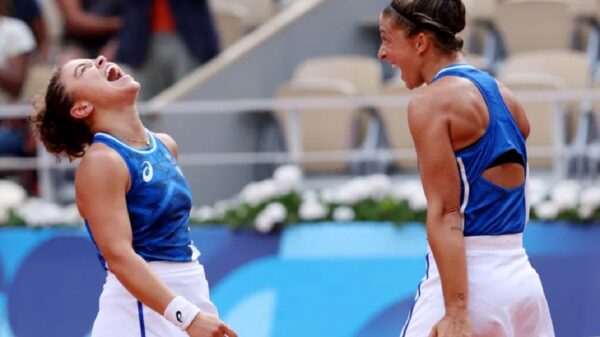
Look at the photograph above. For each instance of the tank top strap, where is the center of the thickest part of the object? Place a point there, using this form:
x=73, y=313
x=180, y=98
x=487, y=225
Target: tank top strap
x=486, y=84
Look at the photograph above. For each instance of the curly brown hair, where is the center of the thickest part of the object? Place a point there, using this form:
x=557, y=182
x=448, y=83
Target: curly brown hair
x=60, y=133
x=443, y=18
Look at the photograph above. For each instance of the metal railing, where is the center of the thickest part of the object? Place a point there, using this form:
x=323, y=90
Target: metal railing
x=44, y=162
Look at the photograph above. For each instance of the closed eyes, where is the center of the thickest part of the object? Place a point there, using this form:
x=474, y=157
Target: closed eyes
x=81, y=68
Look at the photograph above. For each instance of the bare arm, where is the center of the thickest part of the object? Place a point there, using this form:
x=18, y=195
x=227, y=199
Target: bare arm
x=440, y=177
x=12, y=77
x=43, y=42
x=101, y=184
x=81, y=22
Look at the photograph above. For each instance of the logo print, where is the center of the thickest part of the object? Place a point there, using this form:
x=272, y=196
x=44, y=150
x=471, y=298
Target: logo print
x=179, y=317
x=147, y=171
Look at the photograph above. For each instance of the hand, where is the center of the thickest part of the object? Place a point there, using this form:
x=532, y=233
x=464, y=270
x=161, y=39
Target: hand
x=452, y=326
x=209, y=326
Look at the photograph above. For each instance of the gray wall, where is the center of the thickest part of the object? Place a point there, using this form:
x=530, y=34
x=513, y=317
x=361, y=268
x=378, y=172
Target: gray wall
x=331, y=29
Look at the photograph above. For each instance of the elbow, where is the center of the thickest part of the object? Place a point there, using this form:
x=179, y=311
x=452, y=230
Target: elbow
x=443, y=213
x=118, y=259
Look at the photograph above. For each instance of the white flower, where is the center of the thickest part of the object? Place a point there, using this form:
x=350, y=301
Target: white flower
x=310, y=195
x=417, y=201
x=272, y=214
x=39, y=213
x=71, y=216
x=405, y=190
x=547, y=210
x=312, y=210
x=566, y=194
x=380, y=186
x=264, y=223
x=3, y=215
x=343, y=213
x=329, y=196
x=354, y=191
x=590, y=197
x=288, y=178
x=259, y=192
x=222, y=207
x=585, y=212
x=537, y=191
x=413, y=192
x=276, y=211
x=11, y=194
x=204, y=213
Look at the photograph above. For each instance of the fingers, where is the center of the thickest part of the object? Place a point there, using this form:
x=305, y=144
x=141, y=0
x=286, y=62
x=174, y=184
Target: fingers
x=227, y=331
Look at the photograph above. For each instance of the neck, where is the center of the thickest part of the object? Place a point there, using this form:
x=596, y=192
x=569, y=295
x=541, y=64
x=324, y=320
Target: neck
x=432, y=68
x=124, y=124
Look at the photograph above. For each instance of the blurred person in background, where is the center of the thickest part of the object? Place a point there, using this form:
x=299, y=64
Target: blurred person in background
x=143, y=242
x=29, y=12
x=163, y=40
x=469, y=132
x=91, y=27
x=17, y=43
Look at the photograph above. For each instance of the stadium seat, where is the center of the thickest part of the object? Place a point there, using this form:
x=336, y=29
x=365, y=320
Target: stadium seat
x=546, y=126
x=481, y=10
x=527, y=25
x=479, y=36
x=259, y=10
x=321, y=129
x=395, y=120
x=231, y=20
x=570, y=66
x=364, y=73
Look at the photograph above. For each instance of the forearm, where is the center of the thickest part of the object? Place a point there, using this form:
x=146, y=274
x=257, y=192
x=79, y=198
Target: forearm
x=446, y=239
x=140, y=280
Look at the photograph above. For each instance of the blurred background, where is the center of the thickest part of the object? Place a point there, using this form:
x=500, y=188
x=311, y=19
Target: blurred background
x=293, y=137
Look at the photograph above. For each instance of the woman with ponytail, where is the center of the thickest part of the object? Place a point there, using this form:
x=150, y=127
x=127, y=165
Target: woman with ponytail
x=469, y=132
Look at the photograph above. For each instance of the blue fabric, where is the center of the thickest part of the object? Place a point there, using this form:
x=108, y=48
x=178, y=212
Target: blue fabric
x=194, y=24
x=158, y=202
x=26, y=10
x=141, y=315
x=416, y=298
x=11, y=142
x=490, y=209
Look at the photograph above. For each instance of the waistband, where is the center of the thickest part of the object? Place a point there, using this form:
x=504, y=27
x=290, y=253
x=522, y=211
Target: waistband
x=169, y=270
x=493, y=242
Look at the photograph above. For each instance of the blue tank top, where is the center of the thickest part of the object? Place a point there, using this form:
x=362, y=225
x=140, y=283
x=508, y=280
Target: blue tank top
x=158, y=202
x=489, y=209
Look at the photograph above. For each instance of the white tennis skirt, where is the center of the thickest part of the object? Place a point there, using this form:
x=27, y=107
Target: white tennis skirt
x=122, y=315
x=506, y=298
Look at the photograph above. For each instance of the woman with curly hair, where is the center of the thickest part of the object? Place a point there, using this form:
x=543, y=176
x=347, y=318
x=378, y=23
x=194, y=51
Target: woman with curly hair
x=135, y=202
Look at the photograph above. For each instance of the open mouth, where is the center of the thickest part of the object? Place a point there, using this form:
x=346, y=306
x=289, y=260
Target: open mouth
x=114, y=73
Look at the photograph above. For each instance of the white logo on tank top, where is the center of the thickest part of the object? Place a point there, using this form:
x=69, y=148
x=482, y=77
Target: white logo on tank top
x=147, y=171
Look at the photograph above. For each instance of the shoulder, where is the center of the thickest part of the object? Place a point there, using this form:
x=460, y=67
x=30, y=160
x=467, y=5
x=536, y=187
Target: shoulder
x=101, y=162
x=515, y=108
x=169, y=143
x=433, y=103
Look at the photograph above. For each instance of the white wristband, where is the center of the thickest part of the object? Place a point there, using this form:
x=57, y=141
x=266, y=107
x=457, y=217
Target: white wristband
x=181, y=312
